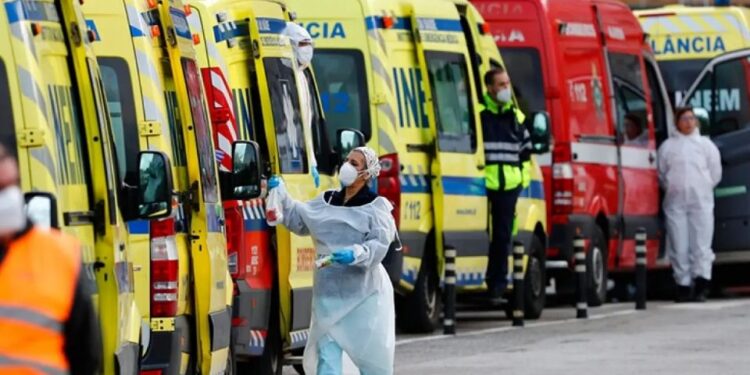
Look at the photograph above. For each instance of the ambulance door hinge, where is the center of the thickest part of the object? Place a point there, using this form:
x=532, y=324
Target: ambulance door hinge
x=149, y=129
x=31, y=138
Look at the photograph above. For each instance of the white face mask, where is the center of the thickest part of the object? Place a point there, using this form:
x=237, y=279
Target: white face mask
x=348, y=174
x=504, y=95
x=12, y=213
x=304, y=55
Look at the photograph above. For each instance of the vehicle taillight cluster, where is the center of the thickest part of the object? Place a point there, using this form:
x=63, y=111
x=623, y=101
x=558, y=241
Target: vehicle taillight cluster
x=389, y=183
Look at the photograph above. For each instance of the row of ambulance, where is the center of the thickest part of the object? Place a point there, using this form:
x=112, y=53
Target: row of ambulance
x=146, y=128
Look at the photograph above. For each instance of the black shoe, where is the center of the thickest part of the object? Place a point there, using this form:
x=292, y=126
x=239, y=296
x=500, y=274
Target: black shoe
x=701, y=289
x=495, y=296
x=683, y=294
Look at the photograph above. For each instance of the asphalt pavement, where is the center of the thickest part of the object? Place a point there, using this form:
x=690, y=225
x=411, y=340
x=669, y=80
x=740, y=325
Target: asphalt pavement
x=668, y=338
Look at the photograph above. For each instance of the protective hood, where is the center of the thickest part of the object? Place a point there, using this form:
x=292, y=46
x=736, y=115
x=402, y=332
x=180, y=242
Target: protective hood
x=298, y=34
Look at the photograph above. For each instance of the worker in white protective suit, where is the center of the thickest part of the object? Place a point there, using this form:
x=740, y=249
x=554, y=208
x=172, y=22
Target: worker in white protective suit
x=352, y=308
x=303, y=52
x=689, y=169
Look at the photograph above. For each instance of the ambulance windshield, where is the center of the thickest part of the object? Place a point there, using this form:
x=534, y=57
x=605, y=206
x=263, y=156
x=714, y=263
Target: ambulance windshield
x=525, y=69
x=343, y=90
x=678, y=75
x=290, y=138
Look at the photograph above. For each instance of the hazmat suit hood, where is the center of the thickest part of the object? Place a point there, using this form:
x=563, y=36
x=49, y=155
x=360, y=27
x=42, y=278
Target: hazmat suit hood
x=298, y=35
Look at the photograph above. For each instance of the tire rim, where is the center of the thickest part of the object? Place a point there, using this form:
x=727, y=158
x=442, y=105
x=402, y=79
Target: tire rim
x=598, y=271
x=430, y=298
x=535, y=274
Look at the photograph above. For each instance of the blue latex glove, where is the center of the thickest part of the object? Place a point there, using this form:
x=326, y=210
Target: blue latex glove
x=274, y=182
x=343, y=256
x=316, y=177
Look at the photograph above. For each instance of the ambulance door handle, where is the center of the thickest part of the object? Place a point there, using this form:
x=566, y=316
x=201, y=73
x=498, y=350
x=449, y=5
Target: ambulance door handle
x=651, y=158
x=480, y=167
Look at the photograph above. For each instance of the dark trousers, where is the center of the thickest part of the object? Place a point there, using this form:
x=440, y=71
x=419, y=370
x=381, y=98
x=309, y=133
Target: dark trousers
x=503, y=209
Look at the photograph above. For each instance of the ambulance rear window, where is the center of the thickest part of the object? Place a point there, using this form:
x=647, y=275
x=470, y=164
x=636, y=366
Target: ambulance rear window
x=343, y=90
x=678, y=75
x=525, y=70
x=203, y=140
x=449, y=80
x=7, y=127
x=290, y=137
x=121, y=104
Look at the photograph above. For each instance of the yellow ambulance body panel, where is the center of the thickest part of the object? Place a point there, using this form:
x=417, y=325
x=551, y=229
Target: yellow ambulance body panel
x=63, y=142
x=143, y=115
x=241, y=41
x=684, y=38
x=211, y=279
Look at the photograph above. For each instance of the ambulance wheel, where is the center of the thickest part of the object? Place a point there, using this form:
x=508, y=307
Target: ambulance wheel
x=534, y=281
x=596, y=269
x=420, y=310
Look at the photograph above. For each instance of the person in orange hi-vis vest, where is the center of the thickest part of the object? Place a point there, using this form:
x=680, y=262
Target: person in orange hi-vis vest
x=47, y=321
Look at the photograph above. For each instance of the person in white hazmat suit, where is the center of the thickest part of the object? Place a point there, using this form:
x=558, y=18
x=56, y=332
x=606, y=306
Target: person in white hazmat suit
x=353, y=308
x=303, y=52
x=689, y=169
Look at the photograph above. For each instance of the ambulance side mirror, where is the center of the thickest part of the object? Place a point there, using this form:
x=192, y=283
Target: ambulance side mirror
x=246, y=170
x=540, y=132
x=154, y=185
x=348, y=139
x=41, y=209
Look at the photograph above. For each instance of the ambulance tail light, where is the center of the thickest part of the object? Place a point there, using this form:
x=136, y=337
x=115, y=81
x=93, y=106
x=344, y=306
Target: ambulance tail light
x=235, y=225
x=164, y=269
x=389, y=183
x=562, y=181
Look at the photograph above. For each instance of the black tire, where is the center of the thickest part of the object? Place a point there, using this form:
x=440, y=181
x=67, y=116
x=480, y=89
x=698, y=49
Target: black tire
x=535, y=281
x=419, y=311
x=596, y=269
x=300, y=369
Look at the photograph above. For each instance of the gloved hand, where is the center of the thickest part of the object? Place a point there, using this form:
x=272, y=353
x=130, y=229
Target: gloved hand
x=274, y=182
x=343, y=256
x=316, y=176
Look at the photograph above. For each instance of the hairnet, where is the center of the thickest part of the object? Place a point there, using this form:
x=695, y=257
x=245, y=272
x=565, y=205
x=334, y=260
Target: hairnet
x=371, y=161
x=296, y=33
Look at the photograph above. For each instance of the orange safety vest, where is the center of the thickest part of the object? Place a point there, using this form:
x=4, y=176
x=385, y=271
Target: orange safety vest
x=38, y=277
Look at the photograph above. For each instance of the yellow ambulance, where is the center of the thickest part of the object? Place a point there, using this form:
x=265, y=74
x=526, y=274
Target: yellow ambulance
x=413, y=98
x=248, y=68
x=155, y=91
x=684, y=38
x=56, y=122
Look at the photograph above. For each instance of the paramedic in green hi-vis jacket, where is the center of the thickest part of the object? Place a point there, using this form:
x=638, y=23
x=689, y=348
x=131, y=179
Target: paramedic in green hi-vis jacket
x=507, y=152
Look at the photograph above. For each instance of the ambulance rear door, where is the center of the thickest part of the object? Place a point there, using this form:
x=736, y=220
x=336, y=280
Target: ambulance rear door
x=722, y=89
x=633, y=118
x=457, y=163
x=276, y=110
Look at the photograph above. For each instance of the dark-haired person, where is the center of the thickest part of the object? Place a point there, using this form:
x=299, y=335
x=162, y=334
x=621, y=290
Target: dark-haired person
x=507, y=151
x=634, y=132
x=689, y=169
x=47, y=321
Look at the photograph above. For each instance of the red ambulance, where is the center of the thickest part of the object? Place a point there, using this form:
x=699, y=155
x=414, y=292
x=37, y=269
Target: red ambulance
x=585, y=63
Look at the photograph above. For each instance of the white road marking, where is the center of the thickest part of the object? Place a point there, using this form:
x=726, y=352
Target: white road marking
x=707, y=306
x=509, y=328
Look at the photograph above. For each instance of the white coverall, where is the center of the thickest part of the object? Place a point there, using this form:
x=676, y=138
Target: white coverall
x=689, y=169
x=297, y=34
x=352, y=305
